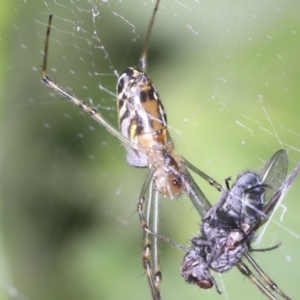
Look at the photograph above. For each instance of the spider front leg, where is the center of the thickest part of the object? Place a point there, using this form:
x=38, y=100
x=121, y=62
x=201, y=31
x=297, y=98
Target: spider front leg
x=89, y=110
x=243, y=268
x=147, y=208
x=265, y=277
x=196, y=195
x=209, y=179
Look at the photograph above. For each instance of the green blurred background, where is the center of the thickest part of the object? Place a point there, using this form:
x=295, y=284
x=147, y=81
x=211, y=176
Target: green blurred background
x=228, y=74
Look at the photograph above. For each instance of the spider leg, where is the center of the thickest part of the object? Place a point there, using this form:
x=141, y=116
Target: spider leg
x=210, y=180
x=150, y=256
x=265, y=277
x=143, y=59
x=91, y=111
x=199, y=200
x=247, y=272
x=154, y=221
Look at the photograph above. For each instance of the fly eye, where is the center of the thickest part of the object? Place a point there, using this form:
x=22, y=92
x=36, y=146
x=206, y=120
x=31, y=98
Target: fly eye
x=205, y=283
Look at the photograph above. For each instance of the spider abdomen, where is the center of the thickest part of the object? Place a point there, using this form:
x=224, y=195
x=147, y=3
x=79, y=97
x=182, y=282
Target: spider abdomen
x=142, y=117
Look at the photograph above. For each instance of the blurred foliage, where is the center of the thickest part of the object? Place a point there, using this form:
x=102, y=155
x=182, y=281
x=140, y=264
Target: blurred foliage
x=228, y=75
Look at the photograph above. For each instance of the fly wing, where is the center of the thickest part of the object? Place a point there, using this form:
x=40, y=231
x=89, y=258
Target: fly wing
x=273, y=173
x=281, y=192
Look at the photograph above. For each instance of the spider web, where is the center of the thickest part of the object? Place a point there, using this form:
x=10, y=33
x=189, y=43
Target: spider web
x=227, y=72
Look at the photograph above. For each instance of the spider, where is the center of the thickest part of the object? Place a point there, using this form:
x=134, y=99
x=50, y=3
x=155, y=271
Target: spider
x=144, y=133
x=228, y=228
